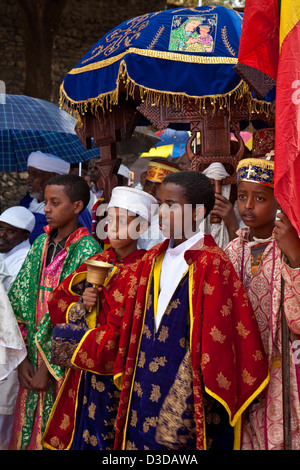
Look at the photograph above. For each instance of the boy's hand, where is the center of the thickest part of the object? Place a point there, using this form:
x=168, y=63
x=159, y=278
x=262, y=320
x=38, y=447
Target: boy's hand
x=90, y=297
x=40, y=380
x=287, y=239
x=25, y=374
x=224, y=209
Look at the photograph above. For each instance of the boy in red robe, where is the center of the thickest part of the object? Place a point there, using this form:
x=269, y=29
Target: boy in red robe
x=193, y=351
x=83, y=416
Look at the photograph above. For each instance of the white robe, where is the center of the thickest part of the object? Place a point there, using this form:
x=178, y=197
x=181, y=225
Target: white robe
x=172, y=269
x=12, y=353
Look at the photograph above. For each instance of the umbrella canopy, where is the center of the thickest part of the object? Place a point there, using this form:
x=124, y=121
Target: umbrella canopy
x=29, y=124
x=15, y=147
x=21, y=112
x=168, y=55
x=165, y=151
x=172, y=144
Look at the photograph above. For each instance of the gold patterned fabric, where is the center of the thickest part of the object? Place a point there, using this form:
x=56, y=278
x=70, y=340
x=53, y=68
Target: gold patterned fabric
x=163, y=370
x=227, y=357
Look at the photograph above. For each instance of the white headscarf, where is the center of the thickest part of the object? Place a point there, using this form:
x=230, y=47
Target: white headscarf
x=48, y=162
x=19, y=217
x=134, y=200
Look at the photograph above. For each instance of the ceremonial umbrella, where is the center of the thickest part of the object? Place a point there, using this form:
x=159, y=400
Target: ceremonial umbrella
x=161, y=57
x=172, y=144
x=28, y=124
x=172, y=136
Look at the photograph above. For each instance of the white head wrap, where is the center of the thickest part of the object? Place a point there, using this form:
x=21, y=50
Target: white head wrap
x=19, y=217
x=134, y=200
x=48, y=162
x=216, y=171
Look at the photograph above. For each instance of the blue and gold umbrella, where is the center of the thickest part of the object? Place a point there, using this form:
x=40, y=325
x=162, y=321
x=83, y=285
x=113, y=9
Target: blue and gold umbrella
x=160, y=57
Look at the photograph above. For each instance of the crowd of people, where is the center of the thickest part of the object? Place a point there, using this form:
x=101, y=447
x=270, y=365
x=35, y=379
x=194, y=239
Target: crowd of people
x=180, y=348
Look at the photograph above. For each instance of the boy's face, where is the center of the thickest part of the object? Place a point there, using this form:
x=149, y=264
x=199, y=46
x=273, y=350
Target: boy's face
x=176, y=216
x=59, y=209
x=257, y=207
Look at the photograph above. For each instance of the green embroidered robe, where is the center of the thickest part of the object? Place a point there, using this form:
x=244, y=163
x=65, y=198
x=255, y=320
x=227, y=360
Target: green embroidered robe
x=23, y=296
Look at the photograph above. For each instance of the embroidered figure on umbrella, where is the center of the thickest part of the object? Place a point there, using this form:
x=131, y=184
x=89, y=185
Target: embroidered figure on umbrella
x=194, y=34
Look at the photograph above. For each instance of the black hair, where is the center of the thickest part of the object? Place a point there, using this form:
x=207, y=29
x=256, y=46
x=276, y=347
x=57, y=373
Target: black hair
x=75, y=187
x=84, y=165
x=197, y=188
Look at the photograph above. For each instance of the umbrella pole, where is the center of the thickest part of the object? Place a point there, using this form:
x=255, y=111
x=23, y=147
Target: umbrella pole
x=286, y=392
x=80, y=169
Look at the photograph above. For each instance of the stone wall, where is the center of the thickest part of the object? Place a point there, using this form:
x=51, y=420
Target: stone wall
x=13, y=188
x=82, y=24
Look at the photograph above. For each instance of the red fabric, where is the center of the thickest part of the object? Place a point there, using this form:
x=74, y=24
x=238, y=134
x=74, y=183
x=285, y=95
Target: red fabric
x=226, y=350
x=73, y=237
x=259, y=43
x=287, y=128
x=99, y=347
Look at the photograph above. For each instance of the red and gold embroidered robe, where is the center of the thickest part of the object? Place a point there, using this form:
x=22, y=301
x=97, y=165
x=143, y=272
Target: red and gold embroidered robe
x=97, y=349
x=226, y=350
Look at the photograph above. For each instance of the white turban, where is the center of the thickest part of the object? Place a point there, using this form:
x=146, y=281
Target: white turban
x=19, y=217
x=48, y=162
x=134, y=200
x=216, y=171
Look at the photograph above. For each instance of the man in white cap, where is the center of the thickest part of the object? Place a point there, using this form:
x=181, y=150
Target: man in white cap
x=16, y=225
x=41, y=168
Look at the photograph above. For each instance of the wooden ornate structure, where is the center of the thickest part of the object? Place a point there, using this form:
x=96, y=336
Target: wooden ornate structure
x=214, y=124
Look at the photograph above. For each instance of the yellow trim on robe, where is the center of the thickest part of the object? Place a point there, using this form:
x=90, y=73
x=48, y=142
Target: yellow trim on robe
x=77, y=277
x=118, y=378
x=77, y=350
x=155, y=272
x=191, y=280
x=49, y=367
x=237, y=434
x=67, y=312
x=289, y=17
